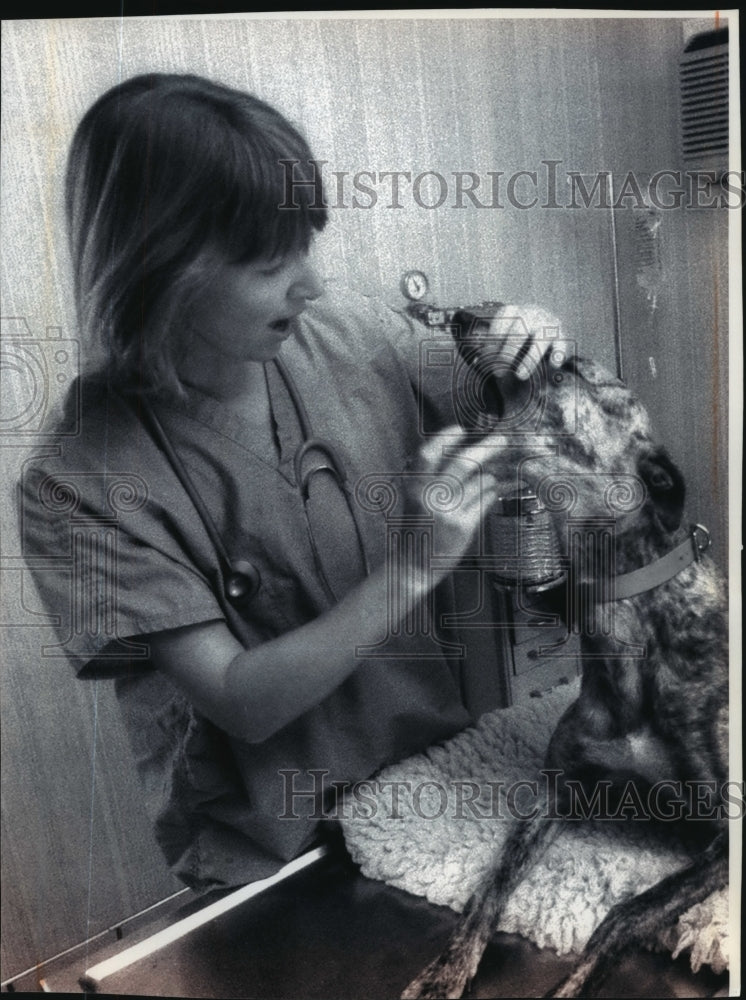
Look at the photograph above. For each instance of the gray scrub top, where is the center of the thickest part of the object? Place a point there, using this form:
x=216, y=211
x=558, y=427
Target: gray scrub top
x=118, y=551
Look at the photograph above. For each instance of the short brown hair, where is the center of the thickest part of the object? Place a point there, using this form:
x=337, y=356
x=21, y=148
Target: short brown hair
x=167, y=174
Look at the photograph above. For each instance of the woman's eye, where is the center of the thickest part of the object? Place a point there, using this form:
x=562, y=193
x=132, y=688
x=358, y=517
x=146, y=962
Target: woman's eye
x=271, y=269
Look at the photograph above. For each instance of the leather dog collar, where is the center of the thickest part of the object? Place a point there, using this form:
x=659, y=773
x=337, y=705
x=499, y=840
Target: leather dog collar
x=661, y=570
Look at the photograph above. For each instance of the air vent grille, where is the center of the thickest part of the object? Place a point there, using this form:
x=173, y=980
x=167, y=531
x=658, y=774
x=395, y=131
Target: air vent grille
x=703, y=75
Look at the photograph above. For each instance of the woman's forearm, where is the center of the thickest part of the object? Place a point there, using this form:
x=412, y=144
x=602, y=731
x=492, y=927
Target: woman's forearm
x=268, y=686
x=252, y=693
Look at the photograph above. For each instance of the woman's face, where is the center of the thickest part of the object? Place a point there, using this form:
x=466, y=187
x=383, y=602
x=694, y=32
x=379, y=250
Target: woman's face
x=249, y=309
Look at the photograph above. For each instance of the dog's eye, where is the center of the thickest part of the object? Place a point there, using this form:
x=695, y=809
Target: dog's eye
x=659, y=479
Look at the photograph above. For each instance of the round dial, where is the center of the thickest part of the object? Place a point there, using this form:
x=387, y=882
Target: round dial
x=414, y=285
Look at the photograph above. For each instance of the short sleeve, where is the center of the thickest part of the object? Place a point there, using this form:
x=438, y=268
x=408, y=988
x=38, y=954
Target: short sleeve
x=430, y=357
x=110, y=562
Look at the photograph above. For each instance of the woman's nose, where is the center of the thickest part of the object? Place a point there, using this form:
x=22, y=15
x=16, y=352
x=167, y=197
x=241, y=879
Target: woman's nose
x=308, y=285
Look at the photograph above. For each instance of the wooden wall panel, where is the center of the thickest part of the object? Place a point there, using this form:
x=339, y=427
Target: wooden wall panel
x=413, y=96
x=674, y=323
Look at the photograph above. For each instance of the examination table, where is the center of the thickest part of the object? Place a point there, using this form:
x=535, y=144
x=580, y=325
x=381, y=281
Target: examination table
x=327, y=932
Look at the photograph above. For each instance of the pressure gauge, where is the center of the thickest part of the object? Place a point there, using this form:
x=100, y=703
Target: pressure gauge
x=414, y=285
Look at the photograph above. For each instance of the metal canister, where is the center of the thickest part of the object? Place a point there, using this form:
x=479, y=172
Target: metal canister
x=525, y=545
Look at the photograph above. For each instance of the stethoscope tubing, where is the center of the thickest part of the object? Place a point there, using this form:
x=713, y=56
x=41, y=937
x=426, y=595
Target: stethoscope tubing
x=241, y=579
x=333, y=464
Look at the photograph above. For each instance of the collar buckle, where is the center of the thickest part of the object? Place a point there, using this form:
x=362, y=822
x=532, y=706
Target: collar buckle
x=701, y=540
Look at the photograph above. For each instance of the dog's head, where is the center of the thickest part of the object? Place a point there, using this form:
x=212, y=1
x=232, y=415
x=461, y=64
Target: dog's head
x=593, y=456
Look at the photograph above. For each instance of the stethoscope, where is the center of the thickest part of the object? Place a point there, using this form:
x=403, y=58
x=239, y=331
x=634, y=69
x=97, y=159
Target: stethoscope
x=241, y=578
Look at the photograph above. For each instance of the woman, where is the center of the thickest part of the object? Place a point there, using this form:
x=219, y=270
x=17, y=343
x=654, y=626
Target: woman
x=246, y=696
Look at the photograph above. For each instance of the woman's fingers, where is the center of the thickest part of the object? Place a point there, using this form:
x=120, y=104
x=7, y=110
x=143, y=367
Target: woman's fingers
x=434, y=452
x=522, y=356
x=456, y=452
x=523, y=336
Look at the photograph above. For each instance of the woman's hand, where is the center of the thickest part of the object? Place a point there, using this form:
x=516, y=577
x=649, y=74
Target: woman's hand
x=455, y=487
x=522, y=337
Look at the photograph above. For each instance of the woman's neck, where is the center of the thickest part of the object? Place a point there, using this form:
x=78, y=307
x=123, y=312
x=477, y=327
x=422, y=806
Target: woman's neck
x=231, y=380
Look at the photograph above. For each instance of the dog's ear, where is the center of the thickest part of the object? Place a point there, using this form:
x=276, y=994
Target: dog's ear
x=665, y=485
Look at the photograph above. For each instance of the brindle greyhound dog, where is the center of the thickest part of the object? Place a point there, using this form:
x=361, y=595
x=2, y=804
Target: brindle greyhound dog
x=653, y=705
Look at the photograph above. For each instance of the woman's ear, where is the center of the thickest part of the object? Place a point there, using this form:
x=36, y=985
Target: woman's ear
x=665, y=485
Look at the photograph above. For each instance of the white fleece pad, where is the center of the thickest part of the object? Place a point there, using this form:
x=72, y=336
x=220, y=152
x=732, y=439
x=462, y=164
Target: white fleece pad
x=436, y=834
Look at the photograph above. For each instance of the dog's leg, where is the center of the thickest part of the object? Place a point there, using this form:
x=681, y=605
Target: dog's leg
x=448, y=975
x=636, y=921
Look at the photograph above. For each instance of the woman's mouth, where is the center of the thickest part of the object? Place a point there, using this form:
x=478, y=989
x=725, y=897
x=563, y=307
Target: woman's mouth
x=280, y=325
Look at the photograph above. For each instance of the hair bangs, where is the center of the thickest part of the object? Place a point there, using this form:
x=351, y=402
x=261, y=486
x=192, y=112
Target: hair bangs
x=275, y=201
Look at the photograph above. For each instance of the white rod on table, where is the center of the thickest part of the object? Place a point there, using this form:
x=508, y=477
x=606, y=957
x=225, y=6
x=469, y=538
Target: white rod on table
x=93, y=976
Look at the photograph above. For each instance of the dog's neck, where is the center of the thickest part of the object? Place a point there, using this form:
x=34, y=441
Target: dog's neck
x=658, y=567
x=657, y=619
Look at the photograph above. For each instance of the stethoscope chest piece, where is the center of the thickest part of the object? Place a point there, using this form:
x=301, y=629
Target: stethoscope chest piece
x=242, y=581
